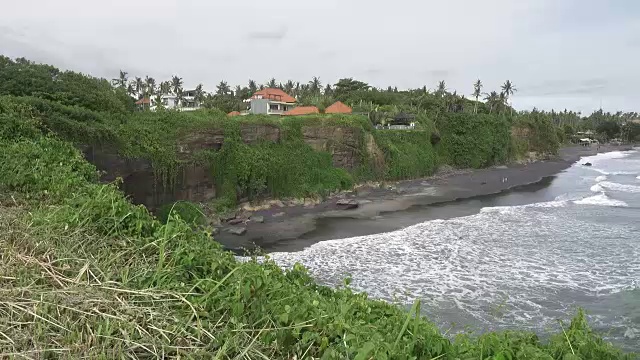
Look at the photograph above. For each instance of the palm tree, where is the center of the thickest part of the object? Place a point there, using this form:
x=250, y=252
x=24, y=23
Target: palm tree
x=477, y=91
x=508, y=89
x=179, y=96
x=223, y=88
x=288, y=87
x=176, y=84
x=253, y=87
x=139, y=86
x=442, y=88
x=121, y=81
x=502, y=100
x=315, y=85
x=165, y=87
x=199, y=98
x=151, y=85
x=492, y=99
x=272, y=83
x=130, y=90
x=328, y=91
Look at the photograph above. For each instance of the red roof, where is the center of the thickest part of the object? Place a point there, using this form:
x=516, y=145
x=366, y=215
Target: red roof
x=274, y=94
x=303, y=110
x=338, y=108
x=143, y=101
x=234, y=113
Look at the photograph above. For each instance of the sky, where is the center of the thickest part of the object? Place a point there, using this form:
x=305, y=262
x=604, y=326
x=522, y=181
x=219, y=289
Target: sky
x=574, y=54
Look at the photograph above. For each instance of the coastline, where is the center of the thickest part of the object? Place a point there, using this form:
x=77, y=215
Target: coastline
x=293, y=228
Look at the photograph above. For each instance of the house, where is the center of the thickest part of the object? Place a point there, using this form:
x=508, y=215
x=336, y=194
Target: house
x=144, y=103
x=302, y=110
x=188, y=102
x=338, y=108
x=272, y=102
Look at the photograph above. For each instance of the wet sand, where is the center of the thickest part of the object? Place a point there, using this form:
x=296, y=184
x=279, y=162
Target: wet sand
x=405, y=203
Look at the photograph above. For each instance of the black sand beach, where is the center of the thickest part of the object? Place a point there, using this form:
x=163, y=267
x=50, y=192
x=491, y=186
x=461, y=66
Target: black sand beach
x=293, y=227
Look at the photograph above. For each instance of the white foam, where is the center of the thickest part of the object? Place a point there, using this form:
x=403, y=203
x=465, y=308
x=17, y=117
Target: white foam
x=607, y=156
x=620, y=187
x=511, y=209
x=601, y=178
x=597, y=188
x=624, y=173
x=601, y=200
x=638, y=177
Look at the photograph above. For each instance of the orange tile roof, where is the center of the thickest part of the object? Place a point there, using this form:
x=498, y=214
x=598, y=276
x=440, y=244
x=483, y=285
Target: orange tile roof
x=303, y=110
x=338, y=108
x=143, y=101
x=234, y=113
x=274, y=94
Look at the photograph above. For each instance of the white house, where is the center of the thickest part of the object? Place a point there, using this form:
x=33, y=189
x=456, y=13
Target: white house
x=272, y=102
x=170, y=101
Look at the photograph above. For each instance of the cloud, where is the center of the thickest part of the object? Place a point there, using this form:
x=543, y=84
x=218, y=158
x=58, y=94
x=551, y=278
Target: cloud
x=569, y=53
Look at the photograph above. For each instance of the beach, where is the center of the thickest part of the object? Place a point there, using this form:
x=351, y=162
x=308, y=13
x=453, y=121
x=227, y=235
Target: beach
x=287, y=227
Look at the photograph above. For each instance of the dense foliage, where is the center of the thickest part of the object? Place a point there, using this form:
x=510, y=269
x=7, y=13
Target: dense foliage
x=85, y=274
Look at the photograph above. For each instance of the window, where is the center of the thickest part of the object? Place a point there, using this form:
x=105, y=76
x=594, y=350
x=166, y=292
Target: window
x=274, y=107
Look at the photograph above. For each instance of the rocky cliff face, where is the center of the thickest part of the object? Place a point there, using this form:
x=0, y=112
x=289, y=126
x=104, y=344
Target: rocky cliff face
x=195, y=183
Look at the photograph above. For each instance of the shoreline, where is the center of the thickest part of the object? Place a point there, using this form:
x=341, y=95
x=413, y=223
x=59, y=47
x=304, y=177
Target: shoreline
x=293, y=228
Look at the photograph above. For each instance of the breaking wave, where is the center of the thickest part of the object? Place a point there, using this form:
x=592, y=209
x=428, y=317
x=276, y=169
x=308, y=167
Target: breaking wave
x=620, y=187
x=601, y=200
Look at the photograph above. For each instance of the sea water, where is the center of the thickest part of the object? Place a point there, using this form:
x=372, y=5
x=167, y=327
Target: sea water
x=523, y=261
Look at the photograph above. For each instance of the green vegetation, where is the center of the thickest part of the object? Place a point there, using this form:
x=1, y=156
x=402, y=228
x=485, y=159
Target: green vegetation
x=86, y=274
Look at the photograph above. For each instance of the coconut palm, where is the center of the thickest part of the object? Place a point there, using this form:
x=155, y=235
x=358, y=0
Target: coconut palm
x=165, y=87
x=253, y=87
x=477, y=91
x=502, y=100
x=508, y=89
x=176, y=84
x=272, y=83
x=288, y=87
x=315, y=85
x=151, y=85
x=130, y=90
x=328, y=91
x=179, y=96
x=199, y=98
x=492, y=99
x=121, y=81
x=138, y=85
x=442, y=88
x=223, y=88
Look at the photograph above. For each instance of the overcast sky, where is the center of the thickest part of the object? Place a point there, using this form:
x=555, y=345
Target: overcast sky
x=560, y=54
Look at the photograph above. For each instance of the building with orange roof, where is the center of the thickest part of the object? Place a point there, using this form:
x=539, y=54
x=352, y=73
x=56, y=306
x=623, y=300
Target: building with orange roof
x=338, y=108
x=272, y=102
x=302, y=110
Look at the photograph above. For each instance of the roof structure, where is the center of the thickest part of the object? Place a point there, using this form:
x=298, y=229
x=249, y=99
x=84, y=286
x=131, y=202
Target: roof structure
x=145, y=101
x=303, y=110
x=274, y=94
x=338, y=108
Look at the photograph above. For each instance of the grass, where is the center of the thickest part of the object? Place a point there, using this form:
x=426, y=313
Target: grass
x=86, y=274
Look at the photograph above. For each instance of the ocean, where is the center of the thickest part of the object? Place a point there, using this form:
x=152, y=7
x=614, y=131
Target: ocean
x=523, y=260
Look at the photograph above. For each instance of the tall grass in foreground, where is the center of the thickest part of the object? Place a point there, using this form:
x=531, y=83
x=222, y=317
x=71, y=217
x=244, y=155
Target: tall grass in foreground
x=86, y=274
